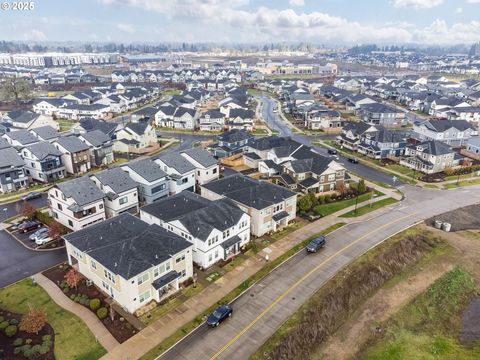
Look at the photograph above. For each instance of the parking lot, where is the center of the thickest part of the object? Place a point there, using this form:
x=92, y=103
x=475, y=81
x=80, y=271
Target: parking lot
x=24, y=238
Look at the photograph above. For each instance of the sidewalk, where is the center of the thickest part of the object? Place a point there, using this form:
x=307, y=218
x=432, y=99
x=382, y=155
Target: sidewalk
x=96, y=327
x=167, y=325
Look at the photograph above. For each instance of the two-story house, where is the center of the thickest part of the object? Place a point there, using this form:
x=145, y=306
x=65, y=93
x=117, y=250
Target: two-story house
x=382, y=143
x=217, y=229
x=230, y=143
x=381, y=114
x=136, y=138
x=12, y=171
x=77, y=203
x=20, y=138
x=323, y=119
x=120, y=190
x=212, y=120
x=131, y=261
x=101, y=147
x=452, y=132
x=429, y=157
x=45, y=133
x=152, y=181
x=181, y=172
x=271, y=207
x=43, y=162
x=75, y=154
x=206, y=165
x=352, y=133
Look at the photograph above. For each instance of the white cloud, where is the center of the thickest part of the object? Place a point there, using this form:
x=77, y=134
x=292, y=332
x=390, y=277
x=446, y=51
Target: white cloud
x=297, y=2
x=417, y=4
x=458, y=10
x=126, y=28
x=35, y=35
x=473, y=1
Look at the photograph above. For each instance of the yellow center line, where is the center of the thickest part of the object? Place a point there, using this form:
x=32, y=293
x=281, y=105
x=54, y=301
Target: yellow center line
x=301, y=280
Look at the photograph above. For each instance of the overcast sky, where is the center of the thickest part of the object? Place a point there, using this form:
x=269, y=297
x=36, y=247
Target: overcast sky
x=247, y=21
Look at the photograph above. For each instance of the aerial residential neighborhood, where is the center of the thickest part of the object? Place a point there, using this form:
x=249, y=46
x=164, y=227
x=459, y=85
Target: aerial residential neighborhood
x=262, y=180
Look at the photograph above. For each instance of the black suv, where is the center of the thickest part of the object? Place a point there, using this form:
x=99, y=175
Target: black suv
x=316, y=244
x=332, y=151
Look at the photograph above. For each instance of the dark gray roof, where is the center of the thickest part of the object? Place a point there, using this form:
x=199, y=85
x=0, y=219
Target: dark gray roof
x=117, y=179
x=235, y=135
x=4, y=143
x=46, y=132
x=90, y=124
x=433, y=147
x=316, y=164
x=165, y=279
x=248, y=191
x=82, y=190
x=178, y=162
x=43, y=149
x=72, y=144
x=147, y=169
x=270, y=142
x=9, y=157
x=22, y=116
x=126, y=245
x=202, y=156
x=199, y=215
x=138, y=128
x=380, y=108
x=96, y=137
x=242, y=113
x=24, y=137
x=443, y=125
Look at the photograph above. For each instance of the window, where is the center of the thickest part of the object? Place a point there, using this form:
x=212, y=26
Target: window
x=210, y=257
x=93, y=264
x=198, y=172
x=183, y=273
x=184, y=180
x=70, y=222
x=216, y=254
x=142, y=278
x=180, y=258
x=158, y=188
x=59, y=206
x=144, y=296
x=55, y=215
x=167, y=266
x=100, y=206
x=123, y=200
x=109, y=275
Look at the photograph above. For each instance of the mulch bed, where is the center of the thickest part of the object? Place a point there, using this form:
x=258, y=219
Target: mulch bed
x=7, y=346
x=120, y=328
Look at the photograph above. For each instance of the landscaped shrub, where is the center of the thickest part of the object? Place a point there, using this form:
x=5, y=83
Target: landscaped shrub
x=4, y=324
x=95, y=304
x=72, y=297
x=102, y=313
x=11, y=330
x=328, y=199
x=66, y=290
x=2, y=319
x=18, y=342
x=44, y=348
x=46, y=337
x=78, y=298
x=28, y=341
x=14, y=322
x=33, y=321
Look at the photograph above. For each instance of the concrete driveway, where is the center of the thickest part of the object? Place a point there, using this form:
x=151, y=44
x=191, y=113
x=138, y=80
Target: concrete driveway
x=18, y=262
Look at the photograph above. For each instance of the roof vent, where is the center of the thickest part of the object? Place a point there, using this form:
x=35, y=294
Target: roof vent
x=156, y=256
x=116, y=264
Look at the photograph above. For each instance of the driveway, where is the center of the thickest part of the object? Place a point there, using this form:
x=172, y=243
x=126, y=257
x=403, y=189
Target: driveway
x=18, y=262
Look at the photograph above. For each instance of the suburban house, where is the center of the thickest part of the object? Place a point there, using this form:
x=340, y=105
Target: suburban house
x=153, y=183
x=382, y=143
x=75, y=154
x=20, y=138
x=240, y=119
x=206, y=165
x=22, y=119
x=323, y=119
x=120, y=190
x=164, y=116
x=472, y=148
x=89, y=124
x=101, y=147
x=12, y=171
x=43, y=162
x=230, y=143
x=217, y=229
x=429, y=157
x=452, y=132
x=77, y=203
x=212, y=120
x=381, y=114
x=45, y=133
x=185, y=118
x=130, y=260
x=354, y=102
x=137, y=138
x=181, y=172
x=271, y=207
x=352, y=133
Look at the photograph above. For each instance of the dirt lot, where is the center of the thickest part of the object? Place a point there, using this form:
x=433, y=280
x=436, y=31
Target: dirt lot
x=466, y=218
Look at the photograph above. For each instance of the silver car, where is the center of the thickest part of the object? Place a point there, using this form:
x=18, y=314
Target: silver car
x=38, y=234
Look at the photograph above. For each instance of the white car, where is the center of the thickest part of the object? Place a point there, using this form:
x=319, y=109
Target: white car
x=43, y=240
x=38, y=234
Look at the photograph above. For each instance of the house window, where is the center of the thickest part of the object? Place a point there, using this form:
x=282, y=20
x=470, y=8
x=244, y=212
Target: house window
x=214, y=171
x=109, y=275
x=180, y=258
x=100, y=206
x=167, y=266
x=216, y=254
x=70, y=222
x=142, y=278
x=226, y=233
x=144, y=296
x=93, y=264
x=55, y=215
x=210, y=258
x=123, y=200
x=158, y=188
x=183, y=273
x=184, y=180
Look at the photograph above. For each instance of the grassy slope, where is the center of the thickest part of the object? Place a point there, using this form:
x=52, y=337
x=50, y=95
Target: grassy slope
x=327, y=209
x=73, y=339
x=367, y=208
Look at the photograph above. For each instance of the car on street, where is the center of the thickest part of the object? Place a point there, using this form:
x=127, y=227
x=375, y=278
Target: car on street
x=353, y=160
x=316, y=244
x=43, y=240
x=38, y=234
x=332, y=151
x=29, y=225
x=221, y=313
x=31, y=196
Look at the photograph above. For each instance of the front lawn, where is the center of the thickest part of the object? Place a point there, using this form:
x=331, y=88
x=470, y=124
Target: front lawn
x=65, y=124
x=327, y=209
x=369, y=208
x=462, y=183
x=73, y=339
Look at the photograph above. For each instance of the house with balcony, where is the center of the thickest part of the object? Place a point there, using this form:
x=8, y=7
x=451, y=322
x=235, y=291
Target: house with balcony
x=382, y=143
x=153, y=182
x=181, y=172
x=120, y=190
x=381, y=114
x=271, y=207
x=75, y=154
x=101, y=147
x=12, y=171
x=212, y=120
x=217, y=229
x=206, y=165
x=77, y=203
x=429, y=157
x=352, y=134
x=323, y=119
x=136, y=138
x=43, y=162
x=133, y=262
x=230, y=143
x=241, y=119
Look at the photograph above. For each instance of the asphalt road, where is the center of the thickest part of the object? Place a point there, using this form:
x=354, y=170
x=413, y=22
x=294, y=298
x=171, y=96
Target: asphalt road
x=11, y=208
x=260, y=311
x=18, y=262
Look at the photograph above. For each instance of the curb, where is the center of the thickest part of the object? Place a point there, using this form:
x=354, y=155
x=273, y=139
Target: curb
x=29, y=248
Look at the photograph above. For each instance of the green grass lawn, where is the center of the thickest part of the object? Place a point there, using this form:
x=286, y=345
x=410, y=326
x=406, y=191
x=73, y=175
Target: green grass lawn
x=462, y=177
x=73, y=339
x=367, y=208
x=327, y=209
x=65, y=124
x=159, y=311
x=462, y=183
x=427, y=328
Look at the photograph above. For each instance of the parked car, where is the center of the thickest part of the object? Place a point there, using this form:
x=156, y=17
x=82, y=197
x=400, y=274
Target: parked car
x=316, y=244
x=29, y=225
x=222, y=313
x=38, y=234
x=43, y=240
x=332, y=151
x=31, y=196
x=353, y=160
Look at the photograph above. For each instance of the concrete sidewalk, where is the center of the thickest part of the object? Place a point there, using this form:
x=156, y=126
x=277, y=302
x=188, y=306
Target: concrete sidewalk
x=94, y=324
x=167, y=325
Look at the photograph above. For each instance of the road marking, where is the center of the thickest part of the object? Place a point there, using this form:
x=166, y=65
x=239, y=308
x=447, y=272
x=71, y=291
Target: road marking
x=300, y=281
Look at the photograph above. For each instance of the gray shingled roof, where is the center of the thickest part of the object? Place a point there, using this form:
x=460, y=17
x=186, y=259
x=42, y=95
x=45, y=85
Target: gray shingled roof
x=117, y=179
x=147, y=168
x=24, y=137
x=83, y=190
x=42, y=149
x=46, y=132
x=202, y=156
x=72, y=144
x=178, y=162
x=126, y=245
x=9, y=157
x=96, y=137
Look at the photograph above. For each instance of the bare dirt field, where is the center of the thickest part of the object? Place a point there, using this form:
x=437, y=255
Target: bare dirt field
x=465, y=218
